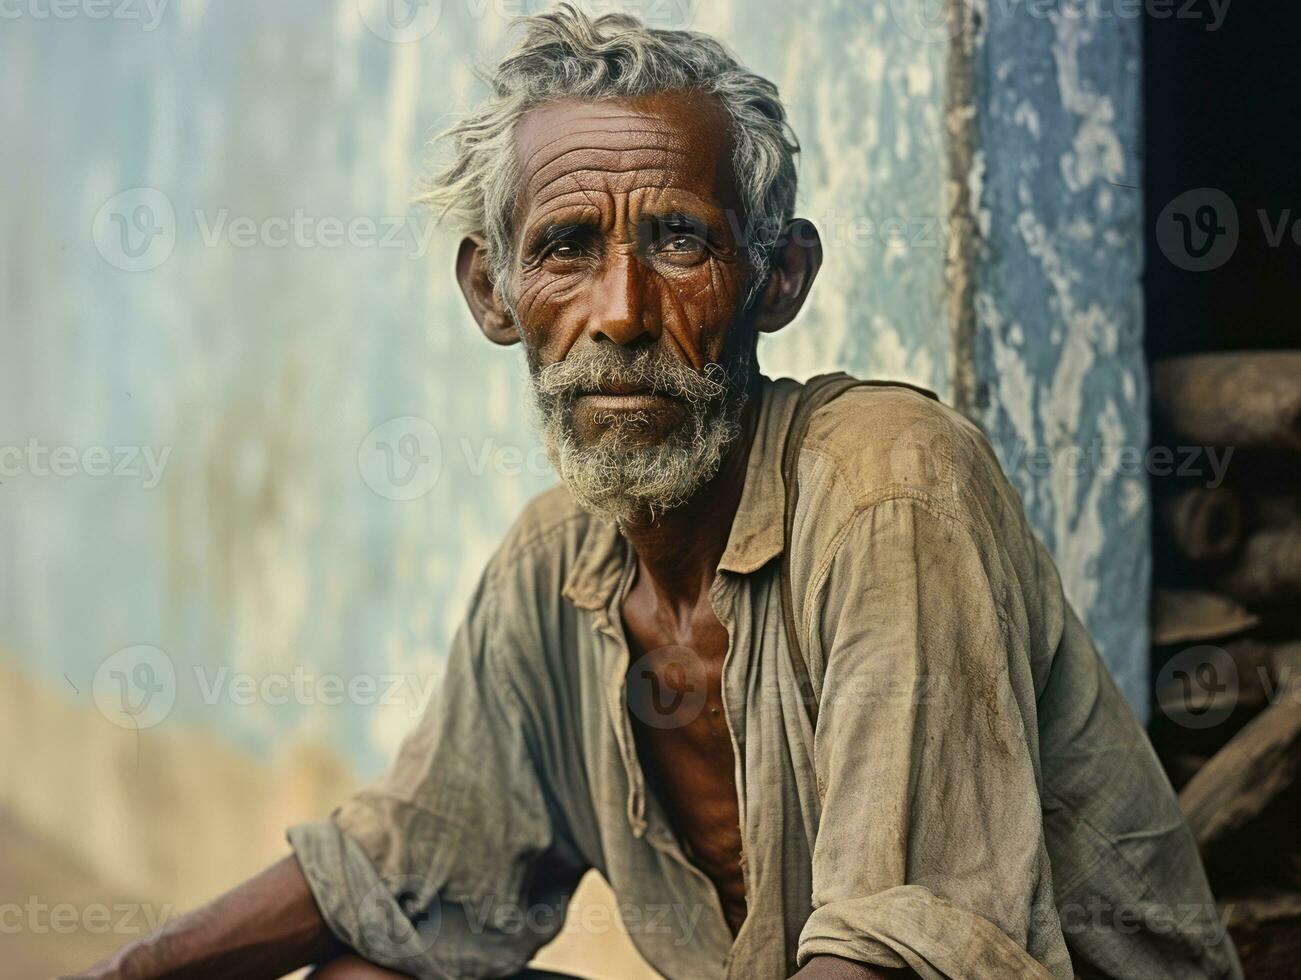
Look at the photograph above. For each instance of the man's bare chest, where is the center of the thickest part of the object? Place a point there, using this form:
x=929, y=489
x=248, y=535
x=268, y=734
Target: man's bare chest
x=675, y=702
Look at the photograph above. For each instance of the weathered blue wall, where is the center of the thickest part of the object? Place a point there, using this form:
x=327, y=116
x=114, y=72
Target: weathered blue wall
x=1057, y=374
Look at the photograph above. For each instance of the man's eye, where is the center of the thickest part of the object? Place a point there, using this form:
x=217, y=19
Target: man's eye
x=680, y=247
x=565, y=251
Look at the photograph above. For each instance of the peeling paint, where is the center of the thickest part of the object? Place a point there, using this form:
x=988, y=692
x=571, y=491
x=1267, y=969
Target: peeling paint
x=1057, y=352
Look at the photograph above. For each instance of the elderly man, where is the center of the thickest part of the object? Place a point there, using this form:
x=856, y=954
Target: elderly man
x=783, y=662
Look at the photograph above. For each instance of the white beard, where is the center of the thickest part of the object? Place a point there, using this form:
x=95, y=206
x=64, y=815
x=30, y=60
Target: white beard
x=621, y=478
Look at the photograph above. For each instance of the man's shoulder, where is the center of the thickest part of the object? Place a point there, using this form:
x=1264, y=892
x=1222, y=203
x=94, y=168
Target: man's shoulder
x=545, y=514
x=549, y=515
x=541, y=545
x=882, y=440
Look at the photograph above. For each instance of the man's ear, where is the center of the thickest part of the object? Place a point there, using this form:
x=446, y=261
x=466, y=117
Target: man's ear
x=489, y=311
x=793, y=267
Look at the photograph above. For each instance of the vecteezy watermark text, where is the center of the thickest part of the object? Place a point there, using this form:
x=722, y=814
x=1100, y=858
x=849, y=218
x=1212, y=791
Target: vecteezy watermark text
x=136, y=230
x=148, y=12
x=670, y=920
x=35, y=459
x=302, y=686
x=66, y=918
x=936, y=21
x=303, y=230
x=402, y=916
x=136, y=687
x=1188, y=462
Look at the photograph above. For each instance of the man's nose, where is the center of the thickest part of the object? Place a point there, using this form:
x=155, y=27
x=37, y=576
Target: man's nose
x=618, y=307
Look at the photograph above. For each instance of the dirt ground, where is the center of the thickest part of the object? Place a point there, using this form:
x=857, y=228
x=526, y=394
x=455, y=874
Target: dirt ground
x=33, y=870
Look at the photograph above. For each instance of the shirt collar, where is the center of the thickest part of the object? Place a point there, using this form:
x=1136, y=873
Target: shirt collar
x=758, y=530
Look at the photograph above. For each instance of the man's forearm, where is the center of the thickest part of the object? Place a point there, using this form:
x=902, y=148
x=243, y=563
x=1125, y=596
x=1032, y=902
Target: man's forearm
x=266, y=927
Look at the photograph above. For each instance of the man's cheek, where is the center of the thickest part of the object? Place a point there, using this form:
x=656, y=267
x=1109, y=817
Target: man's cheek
x=535, y=294
x=697, y=311
x=549, y=320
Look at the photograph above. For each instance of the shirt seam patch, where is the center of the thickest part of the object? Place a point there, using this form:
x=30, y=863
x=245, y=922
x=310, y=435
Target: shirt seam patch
x=818, y=579
x=1047, y=791
x=519, y=554
x=863, y=500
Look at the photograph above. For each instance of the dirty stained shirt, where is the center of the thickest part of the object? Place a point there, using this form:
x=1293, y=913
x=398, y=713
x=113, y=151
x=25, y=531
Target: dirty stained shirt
x=976, y=799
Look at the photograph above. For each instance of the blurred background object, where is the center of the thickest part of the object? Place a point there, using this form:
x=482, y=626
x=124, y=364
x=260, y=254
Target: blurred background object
x=1223, y=204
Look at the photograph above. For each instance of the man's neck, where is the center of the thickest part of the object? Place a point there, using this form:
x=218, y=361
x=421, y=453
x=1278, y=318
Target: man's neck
x=679, y=551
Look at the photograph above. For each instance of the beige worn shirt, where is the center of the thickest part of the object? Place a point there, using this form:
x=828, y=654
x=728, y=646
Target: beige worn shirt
x=976, y=800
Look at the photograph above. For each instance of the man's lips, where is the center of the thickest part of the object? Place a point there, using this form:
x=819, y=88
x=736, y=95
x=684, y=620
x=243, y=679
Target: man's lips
x=625, y=398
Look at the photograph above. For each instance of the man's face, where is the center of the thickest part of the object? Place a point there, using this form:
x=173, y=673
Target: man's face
x=628, y=291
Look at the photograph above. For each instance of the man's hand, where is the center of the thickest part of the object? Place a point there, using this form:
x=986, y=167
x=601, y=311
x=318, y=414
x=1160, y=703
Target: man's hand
x=266, y=927
x=836, y=968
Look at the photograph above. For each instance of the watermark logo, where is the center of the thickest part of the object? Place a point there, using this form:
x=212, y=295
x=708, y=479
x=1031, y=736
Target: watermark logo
x=667, y=687
x=928, y=21
x=396, y=918
x=1198, y=687
x=1198, y=230
x=135, y=231
x=400, y=21
x=932, y=450
x=402, y=458
x=136, y=687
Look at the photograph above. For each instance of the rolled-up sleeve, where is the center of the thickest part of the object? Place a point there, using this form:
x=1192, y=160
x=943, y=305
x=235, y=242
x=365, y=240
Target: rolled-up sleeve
x=930, y=850
x=454, y=863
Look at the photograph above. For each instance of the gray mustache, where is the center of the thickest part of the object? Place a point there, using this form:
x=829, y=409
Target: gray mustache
x=658, y=372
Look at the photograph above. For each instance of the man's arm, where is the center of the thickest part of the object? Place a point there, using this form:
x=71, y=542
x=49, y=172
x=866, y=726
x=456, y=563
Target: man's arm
x=266, y=927
x=931, y=845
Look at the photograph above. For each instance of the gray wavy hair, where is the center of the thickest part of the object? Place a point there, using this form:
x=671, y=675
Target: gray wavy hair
x=566, y=54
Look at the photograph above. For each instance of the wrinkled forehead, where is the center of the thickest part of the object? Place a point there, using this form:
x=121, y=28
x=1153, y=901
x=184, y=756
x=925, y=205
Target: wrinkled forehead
x=672, y=148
